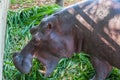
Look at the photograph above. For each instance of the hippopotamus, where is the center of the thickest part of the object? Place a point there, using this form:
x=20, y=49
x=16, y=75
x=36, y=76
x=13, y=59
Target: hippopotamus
x=91, y=26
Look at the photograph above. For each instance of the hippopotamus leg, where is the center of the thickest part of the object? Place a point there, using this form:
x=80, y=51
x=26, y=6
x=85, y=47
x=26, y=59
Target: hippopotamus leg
x=101, y=67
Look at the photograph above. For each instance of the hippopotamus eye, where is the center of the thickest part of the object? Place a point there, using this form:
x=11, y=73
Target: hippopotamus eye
x=33, y=30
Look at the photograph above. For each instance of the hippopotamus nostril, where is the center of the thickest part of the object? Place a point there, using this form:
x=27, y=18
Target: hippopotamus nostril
x=17, y=58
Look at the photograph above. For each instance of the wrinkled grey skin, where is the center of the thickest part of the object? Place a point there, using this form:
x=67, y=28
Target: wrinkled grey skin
x=92, y=26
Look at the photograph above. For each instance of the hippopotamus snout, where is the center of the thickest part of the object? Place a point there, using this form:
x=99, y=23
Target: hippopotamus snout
x=22, y=63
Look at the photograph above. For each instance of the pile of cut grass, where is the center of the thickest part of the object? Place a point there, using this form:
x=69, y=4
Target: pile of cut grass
x=17, y=35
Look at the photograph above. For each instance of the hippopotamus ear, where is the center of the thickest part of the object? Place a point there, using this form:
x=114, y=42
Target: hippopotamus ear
x=49, y=25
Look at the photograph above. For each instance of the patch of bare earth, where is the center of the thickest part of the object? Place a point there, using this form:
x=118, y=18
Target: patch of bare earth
x=40, y=3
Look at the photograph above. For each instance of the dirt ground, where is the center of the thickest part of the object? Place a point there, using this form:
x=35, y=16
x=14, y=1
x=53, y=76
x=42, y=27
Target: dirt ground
x=25, y=3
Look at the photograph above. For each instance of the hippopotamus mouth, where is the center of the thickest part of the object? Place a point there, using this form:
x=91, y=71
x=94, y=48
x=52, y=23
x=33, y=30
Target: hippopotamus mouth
x=24, y=65
x=23, y=60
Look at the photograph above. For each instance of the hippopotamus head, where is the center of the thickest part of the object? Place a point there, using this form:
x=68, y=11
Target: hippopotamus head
x=51, y=40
